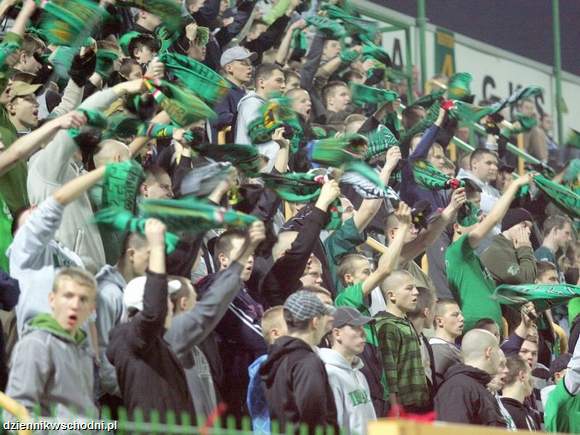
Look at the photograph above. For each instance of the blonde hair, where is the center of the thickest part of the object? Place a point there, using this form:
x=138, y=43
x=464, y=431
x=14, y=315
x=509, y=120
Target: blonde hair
x=77, y=275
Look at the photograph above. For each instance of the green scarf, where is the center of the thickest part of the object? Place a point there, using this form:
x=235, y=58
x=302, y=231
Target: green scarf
x=459, y=86
x=526, y=122
x=121, y=185
x=122, y=220
x=366, y=182
x=46, y=322
x=429, y=177
x=362, y=94
x=106, y=62
x=329, y=27
x=339, y=150
x=192, y=215
x=527, y=92
x=62, y=21
x=182, y=106
x=468, y=113
x=168, y=10
x=468, y=214
x=424, y=124
x=354, y=25
x=244, y=157
x=428, y=100
x=275, y=113
x=544, y=296
x=195, y=76
x=380, y=140
x=573, y=139
x=294, y=186
x=567, y=200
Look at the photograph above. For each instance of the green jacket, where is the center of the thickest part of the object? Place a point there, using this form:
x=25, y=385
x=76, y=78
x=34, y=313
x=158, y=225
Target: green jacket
x=403, y=366
x=352, y=296
x=507, y=264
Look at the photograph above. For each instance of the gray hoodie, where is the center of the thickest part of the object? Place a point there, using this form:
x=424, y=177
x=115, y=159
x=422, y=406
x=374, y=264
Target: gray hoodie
x=248, y=110
x=351, y=392
x=52, y=369
x=35, y=258
x=52, y=167
x=110, y=286
x=190, y=328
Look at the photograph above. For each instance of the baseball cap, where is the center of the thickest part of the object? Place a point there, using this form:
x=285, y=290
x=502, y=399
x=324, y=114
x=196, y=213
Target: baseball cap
x=133, y=293
x=304, y=305
x=236, y=53
x=560, y=363
x=22, y=89
x=515, y=216
x=344, y=316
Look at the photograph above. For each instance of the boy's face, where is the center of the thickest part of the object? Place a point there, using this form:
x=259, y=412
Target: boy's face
x=352, y=338
x=25, y=110
x=451, y=321
x=361, y=271
x=529, y=352
x=405, y=294
x=72, y=304
x=548, y=277
x=143, y=55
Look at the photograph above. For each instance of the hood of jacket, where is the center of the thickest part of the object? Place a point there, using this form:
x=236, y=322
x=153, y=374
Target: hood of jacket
x=46, y=322
x=476, y=374
x=250, y=95
x=283, y=347
x=333, y=358
x=111, y=275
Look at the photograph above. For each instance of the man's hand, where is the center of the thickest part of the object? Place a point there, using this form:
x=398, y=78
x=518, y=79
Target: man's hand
x=71, y=120
x=521, y=237
x=330, y=191
x=458, y=199
x=191, y=31
x=256, y=234
x=155, y=69
x=403, y=214
x=393, y=158
x=155, y=233
x=131, y=87
x=279, y=138
x=300, y=24
x=523, y=180
x=529, y=315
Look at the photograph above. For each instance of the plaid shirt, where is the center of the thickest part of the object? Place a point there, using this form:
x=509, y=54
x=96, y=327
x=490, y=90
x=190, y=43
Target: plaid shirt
x=403, y=367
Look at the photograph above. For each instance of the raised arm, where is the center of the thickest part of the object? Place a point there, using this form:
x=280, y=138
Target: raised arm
x=282, y=53
x=369, y=207
x=418, y=246
x=76, y=187
x=27, y=145
x=390, y=259
x=192, y=327
x=498, y=211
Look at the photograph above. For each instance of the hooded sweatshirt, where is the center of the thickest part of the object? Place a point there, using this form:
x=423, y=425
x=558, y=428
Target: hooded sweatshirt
x=352, y=396
x=248, y=110
x=463, y=398
x=52, y=368
x=297, y=388
x=35, y=258
x=110, y=284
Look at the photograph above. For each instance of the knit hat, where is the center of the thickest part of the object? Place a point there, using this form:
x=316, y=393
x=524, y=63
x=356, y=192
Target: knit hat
x=515, y=216
x=304, y=305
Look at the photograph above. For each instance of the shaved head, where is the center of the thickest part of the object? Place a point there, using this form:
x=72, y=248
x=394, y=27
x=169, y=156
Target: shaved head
x=395, y=280
x=476, y=343
x=110, y=151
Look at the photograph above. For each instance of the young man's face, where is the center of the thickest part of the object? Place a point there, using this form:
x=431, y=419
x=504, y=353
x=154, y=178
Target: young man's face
x=331, y=49
x=548, y=277
x=339, y=100
x=451, y=321
x=143, y=55
x=361, y=271
x=312, y=273
x=528, y=108
x=72, y=304
x=436, y=156
x=274, y=84
x=139, y=258
x=158, y=188
x=498, y=381
x=563, y=235
x=485, y=168
x=25, y=110
x=529, y=352
x=28, y=63
x=149, y=21
x=405, y=295
x=351, y=338
x=225, y=258
x=411, y=235
x=301, y=103
x=197, y=51
x=293, y=82
x=240, y=70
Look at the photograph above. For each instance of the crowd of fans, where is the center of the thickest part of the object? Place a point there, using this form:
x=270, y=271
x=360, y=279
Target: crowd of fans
x=242, y=209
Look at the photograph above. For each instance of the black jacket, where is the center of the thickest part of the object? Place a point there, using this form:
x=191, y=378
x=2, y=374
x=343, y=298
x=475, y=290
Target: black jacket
x=523, y=417
x=464, y=398
x=150, y=375
x=297, y=388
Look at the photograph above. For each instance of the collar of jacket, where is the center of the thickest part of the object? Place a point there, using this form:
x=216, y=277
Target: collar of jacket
x=46, y=322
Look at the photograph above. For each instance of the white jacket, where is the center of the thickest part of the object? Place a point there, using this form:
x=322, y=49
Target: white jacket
x=248, y=110
x=351, y=392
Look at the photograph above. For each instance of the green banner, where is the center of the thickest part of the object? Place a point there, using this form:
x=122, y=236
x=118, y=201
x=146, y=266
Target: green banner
x=444, y=52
